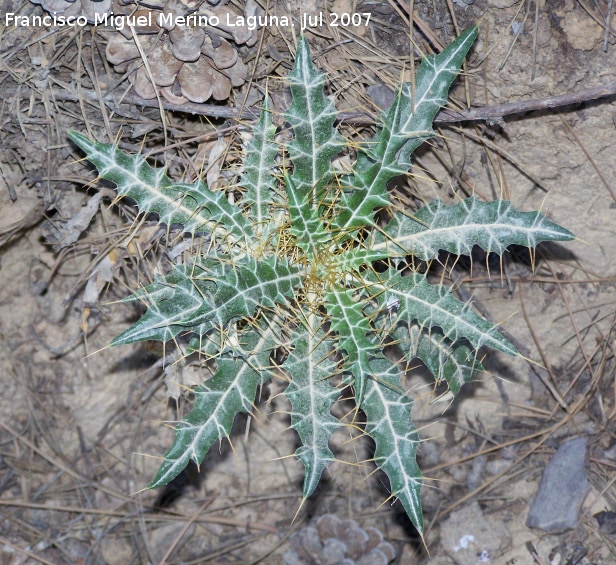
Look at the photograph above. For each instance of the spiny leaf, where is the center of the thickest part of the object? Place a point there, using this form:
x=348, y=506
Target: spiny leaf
x=388, y=423
x=353, y=329
x=193, y=297
x=258, y=178
x=456, y=228
x=194, y=206
x=311, y=397
x=435, y=306
x=306, y=224
x=356, y=257
x=405, y=127
x=456, y=363
x=493, y=226
x=217, y=401
x=254, y=284
x=311, y=116
x=181, y=301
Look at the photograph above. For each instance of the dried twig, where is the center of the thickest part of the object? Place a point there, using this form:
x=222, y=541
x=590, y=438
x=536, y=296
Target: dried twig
x=589, y=157
x=608, y=17
x=448, y=115
x=496, y=112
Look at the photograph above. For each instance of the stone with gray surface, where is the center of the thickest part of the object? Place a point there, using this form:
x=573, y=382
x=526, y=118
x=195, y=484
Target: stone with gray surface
x=563, y=487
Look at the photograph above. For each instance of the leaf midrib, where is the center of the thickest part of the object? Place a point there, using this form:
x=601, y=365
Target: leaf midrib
x=213, y=226
x=460, y=228
x=491, y=341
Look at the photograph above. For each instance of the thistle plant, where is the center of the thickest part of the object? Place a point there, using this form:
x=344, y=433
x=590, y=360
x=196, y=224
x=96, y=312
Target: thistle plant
x=300, y=264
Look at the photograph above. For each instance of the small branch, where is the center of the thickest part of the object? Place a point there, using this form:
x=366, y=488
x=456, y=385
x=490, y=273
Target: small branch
x=608, y=17
x=447, y=115
x=589, y=157
x=498, y=111
x=113, y=101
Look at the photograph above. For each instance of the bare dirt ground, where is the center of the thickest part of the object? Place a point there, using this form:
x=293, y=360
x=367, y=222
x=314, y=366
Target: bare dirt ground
x=81, y=425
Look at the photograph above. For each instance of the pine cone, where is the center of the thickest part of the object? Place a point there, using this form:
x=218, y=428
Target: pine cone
x=191, y=62
x=331, y=541
x=67, y=8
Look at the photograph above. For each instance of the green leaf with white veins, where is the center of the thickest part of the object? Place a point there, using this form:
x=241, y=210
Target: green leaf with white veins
x=354, y=332
x=405, y=127
x=311, y=116
x=253, y=285
x=194, y=206
x=389, y=424
x=217, y=401
x=182, y=301
x=456, y=228
x=493, y=226
x=436, y=306
x=311, y=397
x=456, y=363
x=258, y=178
x=306, y=224
x=193, y=298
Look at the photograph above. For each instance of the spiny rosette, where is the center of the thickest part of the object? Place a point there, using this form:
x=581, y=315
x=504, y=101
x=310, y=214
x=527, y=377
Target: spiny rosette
x=290, y=266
